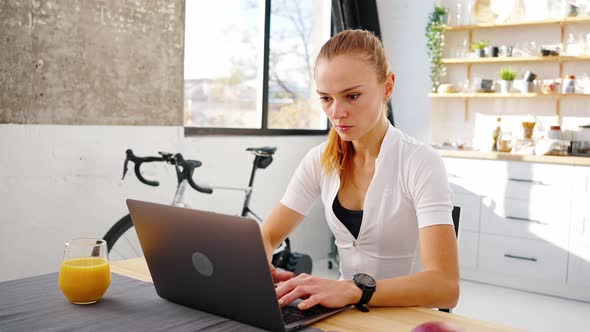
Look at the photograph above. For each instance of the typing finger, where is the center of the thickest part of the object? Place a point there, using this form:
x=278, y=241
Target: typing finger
x=290, y=284
x=273, y=272
x=309, y=302
x=298, y=292
x=284, y=275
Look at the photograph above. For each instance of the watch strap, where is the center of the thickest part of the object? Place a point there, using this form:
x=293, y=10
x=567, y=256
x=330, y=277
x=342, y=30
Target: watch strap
x=366, y=297
x=361, y=307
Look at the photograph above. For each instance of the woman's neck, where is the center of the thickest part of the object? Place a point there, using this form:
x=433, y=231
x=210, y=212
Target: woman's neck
x=366, y=149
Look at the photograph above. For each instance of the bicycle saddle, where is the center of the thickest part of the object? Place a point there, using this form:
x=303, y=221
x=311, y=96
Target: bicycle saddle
x=265, y=149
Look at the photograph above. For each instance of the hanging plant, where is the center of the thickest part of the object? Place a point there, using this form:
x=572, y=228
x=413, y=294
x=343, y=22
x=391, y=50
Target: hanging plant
x=435, y=41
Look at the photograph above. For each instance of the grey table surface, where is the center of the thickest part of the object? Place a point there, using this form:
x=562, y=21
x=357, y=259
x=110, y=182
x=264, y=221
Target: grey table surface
x=37, y=304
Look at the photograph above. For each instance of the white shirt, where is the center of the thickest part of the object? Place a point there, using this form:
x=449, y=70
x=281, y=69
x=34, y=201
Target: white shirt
x=409, y=191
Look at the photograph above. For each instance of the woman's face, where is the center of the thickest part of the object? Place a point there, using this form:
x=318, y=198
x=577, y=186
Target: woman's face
x=350, y=95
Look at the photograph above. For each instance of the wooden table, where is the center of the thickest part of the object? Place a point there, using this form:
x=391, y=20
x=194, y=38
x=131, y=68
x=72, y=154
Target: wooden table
x=378, y=319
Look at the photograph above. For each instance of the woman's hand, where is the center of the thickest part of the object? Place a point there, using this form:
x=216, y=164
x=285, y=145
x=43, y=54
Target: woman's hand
x=314, y=290
x=279, y=276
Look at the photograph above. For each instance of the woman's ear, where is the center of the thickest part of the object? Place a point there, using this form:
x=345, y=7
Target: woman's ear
x=389, y=84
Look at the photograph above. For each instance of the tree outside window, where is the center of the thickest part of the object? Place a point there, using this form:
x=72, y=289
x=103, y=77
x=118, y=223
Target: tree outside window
x=224, y=61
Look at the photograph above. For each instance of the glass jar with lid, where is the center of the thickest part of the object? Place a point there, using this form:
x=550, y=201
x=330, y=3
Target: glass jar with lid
x=569, y=84
x=504, y=141
x=554, y=132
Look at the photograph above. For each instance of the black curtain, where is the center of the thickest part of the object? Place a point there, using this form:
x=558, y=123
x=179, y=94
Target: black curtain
x=357, y=14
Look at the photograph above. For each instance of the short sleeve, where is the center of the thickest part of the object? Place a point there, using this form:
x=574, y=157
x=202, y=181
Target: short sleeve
x=429, y=188
x=304, y=188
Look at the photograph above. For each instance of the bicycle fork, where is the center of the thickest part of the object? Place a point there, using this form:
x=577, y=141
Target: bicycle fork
x=179, y=199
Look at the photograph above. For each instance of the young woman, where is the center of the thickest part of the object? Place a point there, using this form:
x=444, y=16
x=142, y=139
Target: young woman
x=385, y=195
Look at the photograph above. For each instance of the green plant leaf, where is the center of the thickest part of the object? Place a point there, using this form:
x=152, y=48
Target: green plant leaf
x=434, y=33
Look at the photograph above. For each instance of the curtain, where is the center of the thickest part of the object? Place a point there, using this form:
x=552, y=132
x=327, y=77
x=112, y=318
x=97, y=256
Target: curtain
x=357, y=14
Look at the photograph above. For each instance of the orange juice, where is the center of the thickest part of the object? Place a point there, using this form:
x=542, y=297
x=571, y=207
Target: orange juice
x=84, y=280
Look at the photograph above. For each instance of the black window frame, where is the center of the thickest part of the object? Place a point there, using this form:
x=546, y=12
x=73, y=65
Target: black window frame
x=264, y=130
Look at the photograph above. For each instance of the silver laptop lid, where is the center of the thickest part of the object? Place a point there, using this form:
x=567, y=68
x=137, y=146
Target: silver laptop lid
x=208, y=261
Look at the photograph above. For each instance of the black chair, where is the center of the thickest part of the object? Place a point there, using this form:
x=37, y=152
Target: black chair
x=456, y=214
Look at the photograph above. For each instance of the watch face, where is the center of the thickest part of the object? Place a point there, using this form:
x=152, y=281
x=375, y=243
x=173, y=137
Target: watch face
x=365, y=279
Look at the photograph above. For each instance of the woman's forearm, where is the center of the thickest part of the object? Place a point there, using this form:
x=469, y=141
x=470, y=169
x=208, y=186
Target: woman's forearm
x=268, y=246
x=431, y=289
x=280, y=223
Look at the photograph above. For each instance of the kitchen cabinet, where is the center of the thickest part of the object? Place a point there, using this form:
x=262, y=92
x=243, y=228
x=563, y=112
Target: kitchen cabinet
x=579, y=259
x=468, y=229
x=524, y=225
x=525, y=258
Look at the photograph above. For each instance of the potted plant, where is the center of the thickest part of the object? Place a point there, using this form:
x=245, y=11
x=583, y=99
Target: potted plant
x=507, y=75
x=479, y=47
x=435, y=41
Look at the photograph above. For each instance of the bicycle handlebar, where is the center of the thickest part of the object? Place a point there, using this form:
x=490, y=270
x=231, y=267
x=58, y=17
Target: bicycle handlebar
x=184, y=168
x=138, y=161
x=188, y=167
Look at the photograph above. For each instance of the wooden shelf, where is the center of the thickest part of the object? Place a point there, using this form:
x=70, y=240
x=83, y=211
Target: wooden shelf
x=567, y=20
x=473, y=154
x=504, y=95
x=515, y=59
x=467, y=99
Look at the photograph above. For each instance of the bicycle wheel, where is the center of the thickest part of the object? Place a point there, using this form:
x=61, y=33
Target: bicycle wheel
x=122, y=241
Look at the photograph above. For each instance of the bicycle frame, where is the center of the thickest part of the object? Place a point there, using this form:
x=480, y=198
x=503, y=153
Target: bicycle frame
x=282, y=256
x=247, y=194
x=179, y=196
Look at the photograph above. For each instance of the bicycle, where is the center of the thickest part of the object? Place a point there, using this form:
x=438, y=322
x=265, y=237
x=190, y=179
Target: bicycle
x=283, y=257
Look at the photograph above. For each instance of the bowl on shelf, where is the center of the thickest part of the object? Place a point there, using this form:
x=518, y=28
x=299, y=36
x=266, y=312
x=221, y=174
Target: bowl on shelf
x=447, y=88
x=550, y=50
x=483, y=85
x=550, y=87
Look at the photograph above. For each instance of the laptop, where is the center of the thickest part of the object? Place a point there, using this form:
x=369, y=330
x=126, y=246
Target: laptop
x=214, y=263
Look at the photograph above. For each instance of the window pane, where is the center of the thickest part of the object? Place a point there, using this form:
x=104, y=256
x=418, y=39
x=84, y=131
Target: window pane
x=223, y=63
x=298, y=29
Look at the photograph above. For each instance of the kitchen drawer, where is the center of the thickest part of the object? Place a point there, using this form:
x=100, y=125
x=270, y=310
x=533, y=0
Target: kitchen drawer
x=534, y=173
x=468, y=249
x=465, y=175
x=541, y=210
x=579, y=257
x=522, y=257
x=469, y=204
x=579, y=260
x=461, y=167
x=461, y=185
x=513, y=187
x=534, y=219
x=580, y=224
x=582, y=180
x=523, y=180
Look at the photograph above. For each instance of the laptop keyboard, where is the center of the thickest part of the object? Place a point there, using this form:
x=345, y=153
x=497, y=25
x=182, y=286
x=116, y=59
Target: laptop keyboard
x=292, y=314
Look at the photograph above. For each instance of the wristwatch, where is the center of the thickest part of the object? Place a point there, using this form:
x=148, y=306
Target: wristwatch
x=368, y=285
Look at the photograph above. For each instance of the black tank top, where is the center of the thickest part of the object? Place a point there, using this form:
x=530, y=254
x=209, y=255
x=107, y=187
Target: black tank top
x=351, y=219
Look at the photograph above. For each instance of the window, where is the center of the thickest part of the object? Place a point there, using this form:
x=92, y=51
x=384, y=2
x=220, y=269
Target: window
x=248, y=66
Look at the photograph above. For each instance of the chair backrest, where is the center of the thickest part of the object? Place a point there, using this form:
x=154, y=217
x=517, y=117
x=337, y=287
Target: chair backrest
x=456, y=214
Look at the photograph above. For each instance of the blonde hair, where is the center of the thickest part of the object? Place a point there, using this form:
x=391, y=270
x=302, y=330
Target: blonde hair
x=365, y=45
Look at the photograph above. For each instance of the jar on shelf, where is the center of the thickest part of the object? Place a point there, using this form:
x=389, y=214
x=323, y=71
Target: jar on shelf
x=505, y=141
x=569, y=84
x=554, y=132
x=527, y=129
